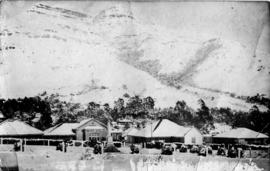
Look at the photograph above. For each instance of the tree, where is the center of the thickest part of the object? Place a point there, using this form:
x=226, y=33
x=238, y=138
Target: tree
x=135, y=107
x=254, y=119
x=126, y=95
x=107, y=107
x=126, y=126
x=222, y=115
x=118, y=110
x=184, y=113
x=203, y=119
x=148, y=103
x=240, y=119
x=25, y=109
x=43, y=107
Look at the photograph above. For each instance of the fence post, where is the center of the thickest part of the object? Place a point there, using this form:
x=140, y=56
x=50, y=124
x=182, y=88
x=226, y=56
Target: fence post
x=48, y=142
x=21, y=143
x=269, y=151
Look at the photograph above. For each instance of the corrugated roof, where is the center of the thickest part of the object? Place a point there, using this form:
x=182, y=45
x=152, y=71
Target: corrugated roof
x=116, y=131
x=162, y=128
x=168, y=128
x=64, y=129
x=125, y=120
x=147, y=131
x=130, y=131
x=17, y=128
x=94, y=127
x=84, y=122
x=87, y=120
x=241, y=133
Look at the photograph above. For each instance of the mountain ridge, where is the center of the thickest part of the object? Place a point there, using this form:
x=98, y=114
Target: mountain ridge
x=114, y=42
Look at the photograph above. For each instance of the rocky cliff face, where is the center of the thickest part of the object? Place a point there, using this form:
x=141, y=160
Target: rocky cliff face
x=92, y=52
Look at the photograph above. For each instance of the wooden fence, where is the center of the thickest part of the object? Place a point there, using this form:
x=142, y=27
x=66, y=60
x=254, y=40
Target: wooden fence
x=44, y=142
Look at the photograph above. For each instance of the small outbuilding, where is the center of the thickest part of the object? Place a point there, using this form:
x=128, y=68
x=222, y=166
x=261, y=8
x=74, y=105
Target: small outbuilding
x=240, y=135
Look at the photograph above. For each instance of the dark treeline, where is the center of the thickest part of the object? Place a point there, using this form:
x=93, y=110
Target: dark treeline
x=40, y=110
x=32, y=110
x=259, y=99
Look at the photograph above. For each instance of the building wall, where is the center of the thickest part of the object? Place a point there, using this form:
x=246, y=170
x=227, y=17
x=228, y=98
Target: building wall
x=208, y=139
x=116, y=136
x=132, y=139
x=82, y=134
x=193, y=137
x=66, y=137
x=257, y=141
x=99, y=134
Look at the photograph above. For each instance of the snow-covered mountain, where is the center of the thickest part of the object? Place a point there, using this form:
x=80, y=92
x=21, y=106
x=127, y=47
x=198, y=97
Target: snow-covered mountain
x=100, y=55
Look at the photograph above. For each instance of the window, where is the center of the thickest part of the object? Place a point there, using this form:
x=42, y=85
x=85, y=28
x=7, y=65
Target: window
x=94, y=135
x=193, y=140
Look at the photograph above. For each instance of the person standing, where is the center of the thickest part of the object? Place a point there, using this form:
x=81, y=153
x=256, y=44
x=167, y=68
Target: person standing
x=65, y=147
x=15, y=146
x=19, y=145
x=23, y=144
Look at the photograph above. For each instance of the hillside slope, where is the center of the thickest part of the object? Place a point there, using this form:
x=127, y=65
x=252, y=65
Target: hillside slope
x=99, y=56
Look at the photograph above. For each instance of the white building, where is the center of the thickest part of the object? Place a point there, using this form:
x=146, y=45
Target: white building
x=168, y=131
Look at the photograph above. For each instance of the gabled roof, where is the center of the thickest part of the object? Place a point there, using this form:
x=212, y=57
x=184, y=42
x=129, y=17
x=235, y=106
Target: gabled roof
x=241, y=133
x=168, y=128
x=17, y=128
x=162, y=128
x=64, y=129
x=130, y=131
x=125, y=120
x=116, y=131
x=94, y=127
x=1, y=115
x=147, y=131
x=83, y=122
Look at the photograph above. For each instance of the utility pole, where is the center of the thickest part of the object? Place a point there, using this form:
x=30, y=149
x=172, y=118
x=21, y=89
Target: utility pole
x=151, y=129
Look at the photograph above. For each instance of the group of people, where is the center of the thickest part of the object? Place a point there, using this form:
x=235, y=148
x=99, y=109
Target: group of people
x=62, y=146
x=97, y=148
x=233, y=151
x=134, y=149
x=19, y=145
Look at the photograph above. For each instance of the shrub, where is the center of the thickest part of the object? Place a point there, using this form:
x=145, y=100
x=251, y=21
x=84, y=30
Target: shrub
x=110, y=148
